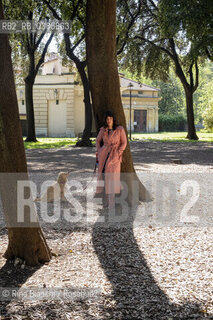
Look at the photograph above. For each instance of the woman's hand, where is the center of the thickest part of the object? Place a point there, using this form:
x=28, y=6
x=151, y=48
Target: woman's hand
x=99, y=138
x=123, y=144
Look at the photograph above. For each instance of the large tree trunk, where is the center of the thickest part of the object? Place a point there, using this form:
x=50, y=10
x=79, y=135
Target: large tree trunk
x=31, y=134
x=27, y=243
x=104, y=79
x=190, y=115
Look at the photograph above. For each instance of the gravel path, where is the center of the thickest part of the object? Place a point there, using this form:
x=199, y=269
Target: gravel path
x=145, y=268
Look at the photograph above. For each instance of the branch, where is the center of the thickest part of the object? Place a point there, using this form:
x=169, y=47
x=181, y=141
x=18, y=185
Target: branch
x=128, y=10
x=208, y=54
x=196, y=77
x=153, y=4
x=69, y=50
x=55, y=15
x=80, y=64
x=191, y=75
x=39, y=40
x=131, y=23
x=78, y=42
x=41, y=60
x=178, y=68
x=28, y=43
x=149, y=9
x=154, y=44
x=30, y=38
x=82, y=21
x=74, y=13
x=75, y=9
x=84, y=63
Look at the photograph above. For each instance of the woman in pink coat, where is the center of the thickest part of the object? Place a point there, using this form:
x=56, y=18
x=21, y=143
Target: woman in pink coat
x=110, y=158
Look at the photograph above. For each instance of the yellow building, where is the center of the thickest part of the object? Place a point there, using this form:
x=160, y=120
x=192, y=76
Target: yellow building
x=144, y=105
x=59, y=108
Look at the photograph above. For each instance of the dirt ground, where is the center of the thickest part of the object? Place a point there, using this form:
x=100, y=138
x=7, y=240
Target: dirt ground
x=142, y=268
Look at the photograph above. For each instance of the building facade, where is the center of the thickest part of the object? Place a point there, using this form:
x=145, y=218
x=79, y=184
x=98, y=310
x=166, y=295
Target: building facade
x=59, y=108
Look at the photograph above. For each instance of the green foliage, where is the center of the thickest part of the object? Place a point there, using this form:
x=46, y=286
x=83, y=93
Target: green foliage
x=208, y=117
x=197, y=21
x=149, y=49
x=204, y=94
x=172, y=95
x=172, y=122
x=168, y=17
x=157, y=63
x=21, y=43
x=191, y=21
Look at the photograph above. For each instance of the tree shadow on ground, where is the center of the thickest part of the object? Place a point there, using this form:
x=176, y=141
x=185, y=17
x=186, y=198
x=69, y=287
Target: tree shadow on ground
x=164, y=152
x=134, y=289
x=13, y=277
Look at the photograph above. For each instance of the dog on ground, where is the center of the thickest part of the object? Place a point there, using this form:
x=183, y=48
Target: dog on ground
x=55, y=191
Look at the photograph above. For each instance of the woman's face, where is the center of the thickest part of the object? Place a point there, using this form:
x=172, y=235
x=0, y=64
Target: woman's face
x=109, y=121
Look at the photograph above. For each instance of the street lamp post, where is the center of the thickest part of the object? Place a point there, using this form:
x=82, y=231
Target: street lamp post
x=130, y=110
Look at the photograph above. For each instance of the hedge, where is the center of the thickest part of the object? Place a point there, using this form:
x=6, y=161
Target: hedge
x=172, y=122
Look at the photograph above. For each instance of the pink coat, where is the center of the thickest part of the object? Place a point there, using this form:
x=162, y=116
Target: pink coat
x=116, y=143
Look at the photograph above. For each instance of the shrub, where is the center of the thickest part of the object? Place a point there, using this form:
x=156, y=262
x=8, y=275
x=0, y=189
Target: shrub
x=208, y=118
x=172, y=122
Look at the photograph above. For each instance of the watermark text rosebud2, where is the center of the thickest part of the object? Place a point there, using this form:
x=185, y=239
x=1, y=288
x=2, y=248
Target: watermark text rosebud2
x=177, y=199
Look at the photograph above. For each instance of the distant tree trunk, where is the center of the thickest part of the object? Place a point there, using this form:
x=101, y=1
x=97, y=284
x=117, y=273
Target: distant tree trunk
x=189, y=89
x=80, y=65
x=85, y=141
x=104, y=79
x=190, y=115
x=26, y=243
x=31, y=134
x=32, y=47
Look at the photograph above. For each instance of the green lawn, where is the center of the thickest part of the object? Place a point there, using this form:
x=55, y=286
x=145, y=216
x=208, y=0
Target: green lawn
x=46, y=143
x=172, y=136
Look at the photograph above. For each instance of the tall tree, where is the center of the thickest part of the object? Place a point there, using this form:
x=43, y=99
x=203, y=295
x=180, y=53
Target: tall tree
x=32, y=43
x=75, y=42
x=104, y=79
x=26, y=242
x=75, y=12
x=157, y=42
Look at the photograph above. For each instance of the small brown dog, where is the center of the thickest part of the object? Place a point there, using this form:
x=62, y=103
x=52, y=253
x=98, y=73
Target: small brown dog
x=56, y=191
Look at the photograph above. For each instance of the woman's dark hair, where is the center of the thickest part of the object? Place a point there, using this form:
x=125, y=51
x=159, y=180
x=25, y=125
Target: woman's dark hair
x=110, y=114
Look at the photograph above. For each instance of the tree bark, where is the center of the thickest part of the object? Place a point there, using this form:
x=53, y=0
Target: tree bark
x=31, y=134
x=80, y=65
x=104, y=81
x=190, y=115
x=34, y=253
x=189, y=89
x=85, y=141
x=26, y=243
